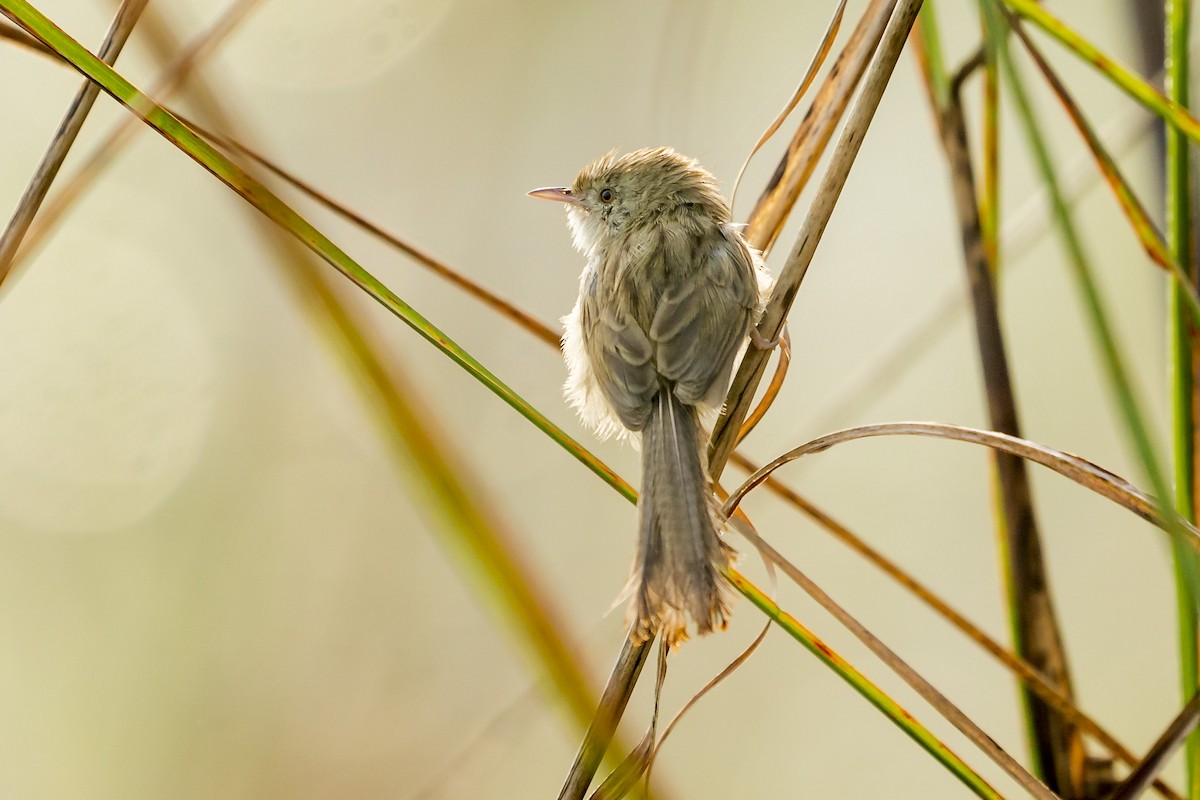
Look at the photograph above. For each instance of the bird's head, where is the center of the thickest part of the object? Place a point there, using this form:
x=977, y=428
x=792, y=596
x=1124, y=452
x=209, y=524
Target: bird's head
x=654, y=186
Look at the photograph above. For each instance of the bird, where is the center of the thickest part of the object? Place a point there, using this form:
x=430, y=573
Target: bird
x=668, y=298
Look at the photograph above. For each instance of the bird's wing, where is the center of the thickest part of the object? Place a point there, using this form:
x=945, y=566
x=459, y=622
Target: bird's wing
x=619, y=354
x=703, y=315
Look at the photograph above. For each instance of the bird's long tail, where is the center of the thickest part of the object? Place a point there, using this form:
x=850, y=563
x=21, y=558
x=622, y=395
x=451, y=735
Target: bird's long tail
x=677, y=570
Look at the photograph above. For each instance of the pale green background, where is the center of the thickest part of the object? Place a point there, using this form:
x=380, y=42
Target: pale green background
x=213, y=583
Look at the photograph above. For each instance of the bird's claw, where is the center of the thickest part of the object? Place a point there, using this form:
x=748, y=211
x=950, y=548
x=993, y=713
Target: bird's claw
x=763, y=343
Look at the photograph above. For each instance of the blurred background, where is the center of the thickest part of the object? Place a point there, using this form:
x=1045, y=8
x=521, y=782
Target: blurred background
x=214, y=579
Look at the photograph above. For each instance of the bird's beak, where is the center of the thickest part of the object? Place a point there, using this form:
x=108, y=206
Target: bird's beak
x=560, y=193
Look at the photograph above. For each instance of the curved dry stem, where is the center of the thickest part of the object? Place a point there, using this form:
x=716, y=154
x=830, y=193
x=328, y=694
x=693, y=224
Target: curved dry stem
x=708, y=687
x=729, y=669
x=814, y=66
x=768, y=398
x=1080, y=470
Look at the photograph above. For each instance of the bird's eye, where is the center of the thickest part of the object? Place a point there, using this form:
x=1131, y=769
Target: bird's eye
x=606, y=196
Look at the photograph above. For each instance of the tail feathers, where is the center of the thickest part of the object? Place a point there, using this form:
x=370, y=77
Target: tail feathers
x=677, y=572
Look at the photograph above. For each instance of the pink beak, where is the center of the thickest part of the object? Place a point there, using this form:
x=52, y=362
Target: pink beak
x=561, y=194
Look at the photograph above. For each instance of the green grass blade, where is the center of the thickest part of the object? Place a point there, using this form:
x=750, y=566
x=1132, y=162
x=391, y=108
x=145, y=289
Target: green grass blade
x=933, y=63
x=1182, y=377
x=1139, y=218
x=1119, y=380
x=989, y=195
x=863, y=686
x=1122, y=77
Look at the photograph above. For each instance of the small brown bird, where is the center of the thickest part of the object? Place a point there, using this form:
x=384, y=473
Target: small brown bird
x=666, y=301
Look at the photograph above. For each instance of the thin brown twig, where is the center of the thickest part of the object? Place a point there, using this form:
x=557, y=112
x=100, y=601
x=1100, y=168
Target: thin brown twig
x=507, y=309
x=729, y=669
x=1162, y=750
x=965, y=70
x=81, y=105
x=172, y=76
